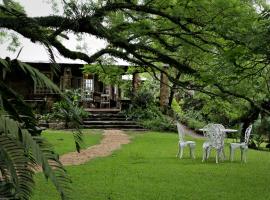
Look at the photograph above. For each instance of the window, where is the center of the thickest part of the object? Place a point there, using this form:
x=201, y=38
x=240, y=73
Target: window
x=88, y=84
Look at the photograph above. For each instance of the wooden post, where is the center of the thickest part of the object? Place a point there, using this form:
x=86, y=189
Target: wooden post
x=67, y=78
x=135, y=83
x=164, y=89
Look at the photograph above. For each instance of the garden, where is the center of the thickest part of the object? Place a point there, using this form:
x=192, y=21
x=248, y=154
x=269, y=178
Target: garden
x=147, y=168
x=124, y=88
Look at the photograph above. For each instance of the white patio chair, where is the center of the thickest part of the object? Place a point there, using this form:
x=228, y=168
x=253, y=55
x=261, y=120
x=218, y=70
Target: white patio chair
x=216, y=136
x=243, y=146
x=182, y=143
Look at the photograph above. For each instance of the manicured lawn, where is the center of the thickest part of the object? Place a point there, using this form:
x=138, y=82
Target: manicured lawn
x=147, y=169
x=63, y=141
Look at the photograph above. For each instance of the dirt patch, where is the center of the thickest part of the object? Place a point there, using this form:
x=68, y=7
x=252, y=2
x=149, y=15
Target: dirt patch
x=112, y=140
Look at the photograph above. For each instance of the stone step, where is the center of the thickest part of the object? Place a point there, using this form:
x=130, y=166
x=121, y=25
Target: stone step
x=114, y=126
x=107, y=115
x=105, y=119
x=108, y=122
x=103, y=110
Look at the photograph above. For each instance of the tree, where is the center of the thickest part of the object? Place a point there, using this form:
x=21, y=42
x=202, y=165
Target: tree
x=218, y=47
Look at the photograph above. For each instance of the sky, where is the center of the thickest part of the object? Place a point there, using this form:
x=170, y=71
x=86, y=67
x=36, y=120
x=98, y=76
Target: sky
x=32, y=52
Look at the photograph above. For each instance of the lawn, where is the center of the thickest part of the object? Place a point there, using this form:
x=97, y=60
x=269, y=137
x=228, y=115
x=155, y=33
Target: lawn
x=147, y=169
x=63, y=141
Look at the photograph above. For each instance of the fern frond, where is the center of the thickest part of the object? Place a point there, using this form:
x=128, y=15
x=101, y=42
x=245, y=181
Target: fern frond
x=18, y=171
x=38, y=77
x=41, y=152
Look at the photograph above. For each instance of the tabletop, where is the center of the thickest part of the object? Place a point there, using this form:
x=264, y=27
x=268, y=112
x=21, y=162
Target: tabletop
x=227, y=130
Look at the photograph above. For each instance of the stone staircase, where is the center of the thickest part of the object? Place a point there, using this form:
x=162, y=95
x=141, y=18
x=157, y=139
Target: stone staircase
x=106, y=120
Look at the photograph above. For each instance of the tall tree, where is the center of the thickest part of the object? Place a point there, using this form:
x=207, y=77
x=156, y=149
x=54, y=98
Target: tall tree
x=219, y=47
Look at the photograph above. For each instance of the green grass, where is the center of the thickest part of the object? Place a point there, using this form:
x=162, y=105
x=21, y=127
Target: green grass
x=147, y=169
x=63, y=141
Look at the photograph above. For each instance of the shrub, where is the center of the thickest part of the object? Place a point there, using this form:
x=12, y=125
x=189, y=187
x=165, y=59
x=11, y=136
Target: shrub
x=67, y=110
x=193, y=119
x=147, y=113
x=261, y=130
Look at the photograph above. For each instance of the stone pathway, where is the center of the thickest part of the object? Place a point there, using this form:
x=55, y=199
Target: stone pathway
x=191, y=132
x=112, y=140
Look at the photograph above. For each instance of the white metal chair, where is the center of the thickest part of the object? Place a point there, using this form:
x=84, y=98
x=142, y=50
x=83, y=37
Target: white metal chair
x=182, y=143
x=242, y=146
x=216, y=136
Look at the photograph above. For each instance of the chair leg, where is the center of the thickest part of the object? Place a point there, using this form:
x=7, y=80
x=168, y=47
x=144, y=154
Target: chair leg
x=204, y=154
x=242, y=152
x=220, y=154
x=208, y=152
x=178, y=153
x=192, y=149
x=217, y=156
x=223, y=154
x=244, y=155
x=181, y=152
x=231, y=153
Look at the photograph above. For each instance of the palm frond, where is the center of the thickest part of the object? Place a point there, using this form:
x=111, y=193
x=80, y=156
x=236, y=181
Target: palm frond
x=41, y=152
x=54, y=66
x=14, y=105
x=16, y=170
x=39, y=78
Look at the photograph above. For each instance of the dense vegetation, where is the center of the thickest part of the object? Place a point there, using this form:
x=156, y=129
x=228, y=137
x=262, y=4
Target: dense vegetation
x=219, y=49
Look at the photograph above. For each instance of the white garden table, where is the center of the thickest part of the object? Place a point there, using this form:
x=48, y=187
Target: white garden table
x=226, y=130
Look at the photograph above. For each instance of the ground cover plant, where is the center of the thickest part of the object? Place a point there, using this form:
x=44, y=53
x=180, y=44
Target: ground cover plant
x=148, y=169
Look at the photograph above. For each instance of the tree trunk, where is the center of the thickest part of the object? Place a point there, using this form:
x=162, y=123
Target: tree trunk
x=135, y=83
x=173, y=89
x=251, y=116
x=164, y=90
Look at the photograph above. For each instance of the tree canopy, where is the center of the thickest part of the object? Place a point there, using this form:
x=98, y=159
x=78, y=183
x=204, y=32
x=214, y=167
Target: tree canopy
x=217, y=47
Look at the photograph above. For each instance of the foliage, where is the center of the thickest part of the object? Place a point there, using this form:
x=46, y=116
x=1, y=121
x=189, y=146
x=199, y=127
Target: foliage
x=68, y=110
x=109, y=74
x=22, y=148
x=261, y=131
x=143, y=98
x=146, y=169
x=220, y=47
x=144, y=110
x=193, y=119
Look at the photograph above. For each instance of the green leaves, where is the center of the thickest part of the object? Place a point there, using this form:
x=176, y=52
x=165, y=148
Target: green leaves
x=108, y=73
x=16, y=169
x=22, y=148
x=35, y=151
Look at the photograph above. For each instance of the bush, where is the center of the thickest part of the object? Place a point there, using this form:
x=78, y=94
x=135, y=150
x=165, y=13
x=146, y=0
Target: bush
x=193, y=119
x=144, y=110
x=67, y=110
x=261, y=130
x=143, y=99
x=69, y=113
x=151, y=118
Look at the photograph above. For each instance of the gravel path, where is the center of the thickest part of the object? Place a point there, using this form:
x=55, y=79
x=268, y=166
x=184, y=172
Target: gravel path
x=112, y=140
x=190, y=132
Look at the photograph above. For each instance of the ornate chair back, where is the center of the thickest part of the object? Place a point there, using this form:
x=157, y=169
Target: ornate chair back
x=181, y=131
x=247, y=134
x=215, y=134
